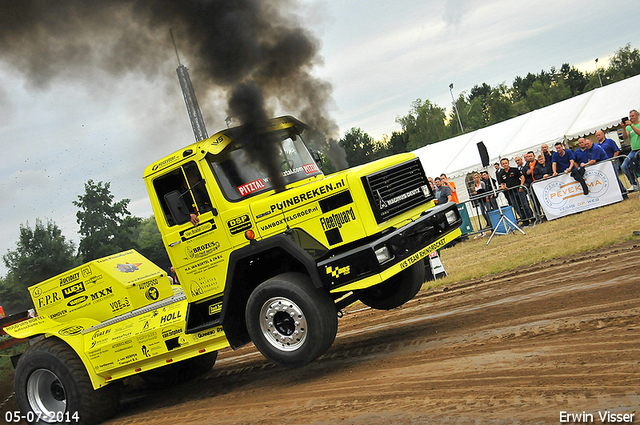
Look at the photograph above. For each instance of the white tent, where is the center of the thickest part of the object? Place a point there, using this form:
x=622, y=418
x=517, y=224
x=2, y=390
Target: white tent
x=599, y=109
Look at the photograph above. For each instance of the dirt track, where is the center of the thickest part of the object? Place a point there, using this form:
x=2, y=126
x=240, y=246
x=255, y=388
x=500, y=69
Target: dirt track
x=518, y=348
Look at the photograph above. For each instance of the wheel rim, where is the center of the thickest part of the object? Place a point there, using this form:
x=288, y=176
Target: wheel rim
x=46, y=395
x=283, y=324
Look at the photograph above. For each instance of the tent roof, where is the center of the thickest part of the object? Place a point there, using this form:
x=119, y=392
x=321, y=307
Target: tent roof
x=606, y=107
x=494, y=137
x=599, y=109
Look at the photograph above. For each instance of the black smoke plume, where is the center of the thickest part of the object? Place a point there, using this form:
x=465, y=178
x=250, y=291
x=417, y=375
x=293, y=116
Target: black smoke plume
x=247, y=103
x=235, y=45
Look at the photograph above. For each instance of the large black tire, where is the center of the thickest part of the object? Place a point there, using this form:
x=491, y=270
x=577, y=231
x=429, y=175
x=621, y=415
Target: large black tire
x=396, y=290
x=290, y=321
x=50, y=377
x=176, y=373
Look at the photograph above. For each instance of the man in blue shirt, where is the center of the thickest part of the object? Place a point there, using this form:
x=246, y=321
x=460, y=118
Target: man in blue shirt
x=563, y=161
x=595, y=153
x=580, y=154
x=610, y=147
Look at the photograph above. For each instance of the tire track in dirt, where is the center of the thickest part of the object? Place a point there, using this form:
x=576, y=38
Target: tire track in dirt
x=518, y=348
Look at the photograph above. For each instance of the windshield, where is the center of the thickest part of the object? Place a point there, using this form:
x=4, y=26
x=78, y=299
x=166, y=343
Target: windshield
x=239, y=177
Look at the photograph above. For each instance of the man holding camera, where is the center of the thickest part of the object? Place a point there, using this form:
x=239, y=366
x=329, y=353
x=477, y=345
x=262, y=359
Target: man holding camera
x=631, y=131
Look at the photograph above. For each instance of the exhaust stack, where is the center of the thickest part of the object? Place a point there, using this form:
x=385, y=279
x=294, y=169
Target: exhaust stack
x=190, y=100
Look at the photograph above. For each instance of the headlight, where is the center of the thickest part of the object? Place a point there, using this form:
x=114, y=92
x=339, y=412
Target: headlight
x=383, y=254
x=451, y=217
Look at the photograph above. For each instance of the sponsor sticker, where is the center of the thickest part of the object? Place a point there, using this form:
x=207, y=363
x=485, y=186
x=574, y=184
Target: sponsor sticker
x=79, y=300
x=198, y=230
x=119, y=305
x=69, y=279
x=202, y=250
x=428, y=250
x=239, y=224
x=59, y=314
x=336, y=272
x=165, y=162
x=385, y=204
x=249, y=188
x=152, y=294
x=171, y=332
x=310, y=168
x=48, y=299
x=102, y=293
x=128, y=267
x=308, y=195
x=75, y=289
x=86, y=271
x=215, y=308
x=333, y=221
x=71, y=330
x=171, y=317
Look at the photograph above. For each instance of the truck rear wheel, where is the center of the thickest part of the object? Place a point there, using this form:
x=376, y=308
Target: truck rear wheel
x=396, y=290
x=290, y=321
x=51, y=382
x=183, y=371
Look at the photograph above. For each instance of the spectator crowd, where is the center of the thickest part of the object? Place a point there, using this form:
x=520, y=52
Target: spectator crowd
x=515, y=180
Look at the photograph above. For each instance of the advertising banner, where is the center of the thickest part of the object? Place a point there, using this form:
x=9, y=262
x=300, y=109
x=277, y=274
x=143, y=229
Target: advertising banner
x=562, y=195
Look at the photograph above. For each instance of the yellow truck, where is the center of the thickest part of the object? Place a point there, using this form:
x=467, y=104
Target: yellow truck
x=257, y=260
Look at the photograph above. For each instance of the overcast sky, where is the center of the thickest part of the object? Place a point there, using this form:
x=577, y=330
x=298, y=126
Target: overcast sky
x=379, y=56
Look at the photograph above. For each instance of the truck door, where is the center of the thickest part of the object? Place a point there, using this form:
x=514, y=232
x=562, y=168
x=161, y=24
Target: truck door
x=195, y=239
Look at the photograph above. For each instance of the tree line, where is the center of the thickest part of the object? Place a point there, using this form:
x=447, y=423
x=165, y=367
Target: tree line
x=484, y=105
x=106, y=227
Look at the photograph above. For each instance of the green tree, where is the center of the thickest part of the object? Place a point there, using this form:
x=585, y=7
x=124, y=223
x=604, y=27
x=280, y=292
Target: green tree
x=150, y=244
x=575, y=80
x=499, y=105
x=359, y=147
x=625, y=63
x=521, y=85
x=476, y=112
x=397, y=143
x=41, y=253
x=105, y=227
x=425, y=124
x=541, y=95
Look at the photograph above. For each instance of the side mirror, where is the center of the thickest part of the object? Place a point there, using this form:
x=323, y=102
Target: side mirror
x=316, y=157
x=177, y=208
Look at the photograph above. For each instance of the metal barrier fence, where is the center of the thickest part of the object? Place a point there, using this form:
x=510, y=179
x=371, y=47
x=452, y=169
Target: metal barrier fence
x=480, y=208
x=526, y=207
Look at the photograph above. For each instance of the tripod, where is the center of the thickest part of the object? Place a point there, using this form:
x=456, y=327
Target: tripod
x=509, y=226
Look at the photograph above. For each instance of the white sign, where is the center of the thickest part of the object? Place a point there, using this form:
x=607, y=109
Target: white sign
x=563, y=195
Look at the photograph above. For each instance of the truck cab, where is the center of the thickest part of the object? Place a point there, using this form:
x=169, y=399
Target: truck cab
x=230, y=222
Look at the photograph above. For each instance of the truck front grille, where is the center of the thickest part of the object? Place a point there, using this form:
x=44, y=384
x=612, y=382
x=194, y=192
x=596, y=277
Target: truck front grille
x=397, y=189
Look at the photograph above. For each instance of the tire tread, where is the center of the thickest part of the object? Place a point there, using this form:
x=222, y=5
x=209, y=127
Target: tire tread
x=95, y=405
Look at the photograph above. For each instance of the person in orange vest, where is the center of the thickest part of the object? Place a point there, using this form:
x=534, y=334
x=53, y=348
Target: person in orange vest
x=452, y=186
x=1, y=312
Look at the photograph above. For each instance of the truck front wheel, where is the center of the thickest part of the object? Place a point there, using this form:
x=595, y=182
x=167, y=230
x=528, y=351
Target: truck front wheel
x=396, y=290
x=51, y=382
x=290, y=321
